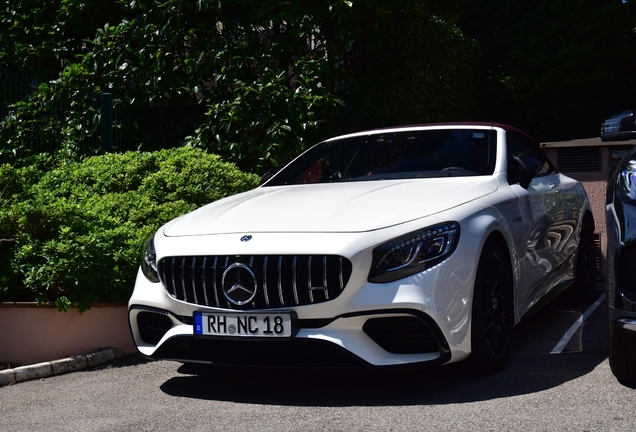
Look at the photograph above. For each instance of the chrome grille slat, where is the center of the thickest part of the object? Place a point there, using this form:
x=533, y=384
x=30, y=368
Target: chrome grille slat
x=324, y=276
x=311, y=292
x=265, y=293
x=199, y=279
x=183, y=287
x=225, y=266
x=294, y=275
x=214, y=272
x=174, y=285
x=280, y=280
x=204, y=279
x=194, y=278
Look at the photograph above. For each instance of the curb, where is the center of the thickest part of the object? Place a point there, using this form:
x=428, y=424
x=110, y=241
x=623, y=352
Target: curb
x=58, y=367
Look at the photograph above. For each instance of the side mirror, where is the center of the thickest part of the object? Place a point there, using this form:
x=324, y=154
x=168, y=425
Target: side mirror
x=527, y=167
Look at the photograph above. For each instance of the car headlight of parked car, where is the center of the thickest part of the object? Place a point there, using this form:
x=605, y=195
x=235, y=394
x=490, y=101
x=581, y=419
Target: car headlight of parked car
x=627, y=180
x=413, y=253
x=149, y=261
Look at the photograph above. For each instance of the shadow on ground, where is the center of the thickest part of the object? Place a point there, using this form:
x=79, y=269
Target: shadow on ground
x=530, y=368
x=444, y=385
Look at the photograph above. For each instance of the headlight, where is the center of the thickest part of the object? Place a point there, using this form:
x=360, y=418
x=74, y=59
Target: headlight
x=627, y=180
x=149, y=261
x=414, y=252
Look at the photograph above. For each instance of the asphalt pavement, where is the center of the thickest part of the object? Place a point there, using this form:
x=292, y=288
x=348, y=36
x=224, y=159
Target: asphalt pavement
x=538, y=390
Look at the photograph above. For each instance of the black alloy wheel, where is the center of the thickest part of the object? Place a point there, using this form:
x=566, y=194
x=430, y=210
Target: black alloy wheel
x=622, y=354
x=492, y=310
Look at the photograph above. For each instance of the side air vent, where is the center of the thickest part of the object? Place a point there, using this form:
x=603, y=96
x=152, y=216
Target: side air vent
x=152, y=326
x=579, y=159
x=401, y=335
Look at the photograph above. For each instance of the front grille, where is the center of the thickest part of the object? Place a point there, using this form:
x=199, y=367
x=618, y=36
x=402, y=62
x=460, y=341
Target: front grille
x=626, y=268
x=255, y=282
x=401, y=335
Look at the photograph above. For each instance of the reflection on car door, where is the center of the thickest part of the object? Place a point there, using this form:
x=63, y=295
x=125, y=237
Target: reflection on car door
x=540, y=206
x=567, y=215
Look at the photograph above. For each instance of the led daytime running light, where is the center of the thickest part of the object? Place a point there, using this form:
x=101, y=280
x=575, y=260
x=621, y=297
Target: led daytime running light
x=149, y=262
x=627, y=180
x=414, y=252
x=419, y=236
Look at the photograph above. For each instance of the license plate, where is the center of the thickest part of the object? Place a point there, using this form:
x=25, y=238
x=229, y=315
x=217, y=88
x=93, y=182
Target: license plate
x=260, y=325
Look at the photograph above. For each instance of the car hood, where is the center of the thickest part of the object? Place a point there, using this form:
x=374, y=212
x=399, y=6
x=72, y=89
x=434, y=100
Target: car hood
x=333, y=207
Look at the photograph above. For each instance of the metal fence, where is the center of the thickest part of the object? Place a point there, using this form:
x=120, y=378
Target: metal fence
x=29, y=127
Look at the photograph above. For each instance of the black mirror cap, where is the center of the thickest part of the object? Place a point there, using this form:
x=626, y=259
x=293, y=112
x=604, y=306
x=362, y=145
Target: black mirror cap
x=619, y=127
x=526, y=167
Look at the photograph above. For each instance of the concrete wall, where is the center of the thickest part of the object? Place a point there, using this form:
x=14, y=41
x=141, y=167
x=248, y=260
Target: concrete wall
x=32, y=334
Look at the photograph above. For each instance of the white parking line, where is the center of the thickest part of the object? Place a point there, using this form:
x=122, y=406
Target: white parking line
x=568, y=335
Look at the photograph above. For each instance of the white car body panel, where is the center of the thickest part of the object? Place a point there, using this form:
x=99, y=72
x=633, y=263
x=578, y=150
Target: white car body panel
x=334, y=207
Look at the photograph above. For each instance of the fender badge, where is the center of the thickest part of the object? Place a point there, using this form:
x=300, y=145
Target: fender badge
x=246, y=238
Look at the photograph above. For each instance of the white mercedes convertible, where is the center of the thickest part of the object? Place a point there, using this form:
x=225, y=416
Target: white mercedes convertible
x=387, y=248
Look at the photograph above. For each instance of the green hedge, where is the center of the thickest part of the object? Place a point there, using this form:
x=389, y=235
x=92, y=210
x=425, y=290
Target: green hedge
x=73, y=234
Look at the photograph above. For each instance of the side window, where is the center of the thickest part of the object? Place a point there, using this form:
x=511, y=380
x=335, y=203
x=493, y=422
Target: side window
x=525, y=158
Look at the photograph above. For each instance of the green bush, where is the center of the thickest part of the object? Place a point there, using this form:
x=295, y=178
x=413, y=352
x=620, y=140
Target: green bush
x=74, y=234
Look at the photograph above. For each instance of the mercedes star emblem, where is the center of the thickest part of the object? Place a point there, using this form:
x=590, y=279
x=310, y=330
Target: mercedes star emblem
x=239, y=284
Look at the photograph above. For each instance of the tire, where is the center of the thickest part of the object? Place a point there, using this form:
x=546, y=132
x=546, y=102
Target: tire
x=584, y=287
x=492, y=316
x=622, y=354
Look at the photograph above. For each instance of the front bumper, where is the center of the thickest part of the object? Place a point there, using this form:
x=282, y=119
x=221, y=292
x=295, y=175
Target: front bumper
x=623, y=318
x=423, y=318
x=411, y=321
x=378, y=338
x=627, y=324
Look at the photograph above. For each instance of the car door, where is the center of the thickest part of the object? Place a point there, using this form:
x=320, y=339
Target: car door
x=536, y=184
x=566, y=211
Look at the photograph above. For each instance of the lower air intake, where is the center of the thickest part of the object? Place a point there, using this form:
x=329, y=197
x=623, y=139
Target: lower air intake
x=401, y=335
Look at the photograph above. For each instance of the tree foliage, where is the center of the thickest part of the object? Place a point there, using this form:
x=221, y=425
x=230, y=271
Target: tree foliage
x=41, y=37
x=73, y=234
x=59, y=117
x=269, y=76
x=555, y=69
x=257, y=81
x=422, y=70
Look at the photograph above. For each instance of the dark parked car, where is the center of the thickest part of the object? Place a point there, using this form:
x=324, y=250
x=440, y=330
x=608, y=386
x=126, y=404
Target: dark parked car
x=621, y=268
x=619, y=127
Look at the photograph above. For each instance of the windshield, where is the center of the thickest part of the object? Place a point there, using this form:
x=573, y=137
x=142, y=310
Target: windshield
x=396, y=155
